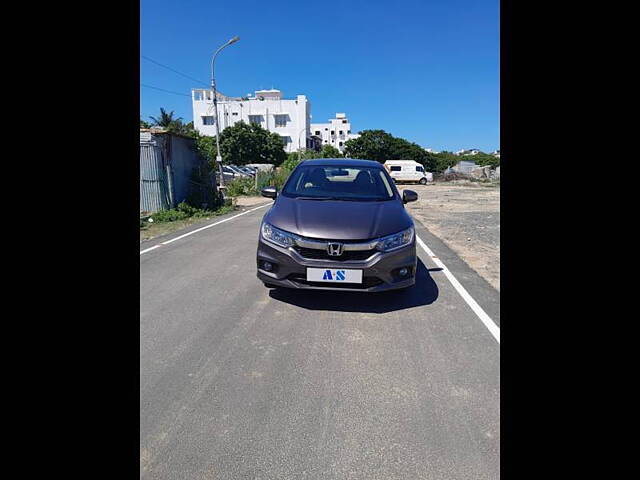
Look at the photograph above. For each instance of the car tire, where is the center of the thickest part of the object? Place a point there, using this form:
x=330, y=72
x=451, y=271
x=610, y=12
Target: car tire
x=423, y=181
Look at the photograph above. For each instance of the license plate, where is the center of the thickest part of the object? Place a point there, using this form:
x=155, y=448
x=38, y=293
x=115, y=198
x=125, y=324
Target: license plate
x=334, y=275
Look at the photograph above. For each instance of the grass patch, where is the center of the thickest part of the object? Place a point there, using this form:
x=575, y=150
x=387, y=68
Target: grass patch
x=184, y=215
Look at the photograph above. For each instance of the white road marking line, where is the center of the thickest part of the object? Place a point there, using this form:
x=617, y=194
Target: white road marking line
x=149, y=249
x=477, y=309
x=202, y=228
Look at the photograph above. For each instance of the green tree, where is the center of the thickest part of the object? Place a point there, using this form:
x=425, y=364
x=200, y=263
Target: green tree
x=165, y=120
x=182, y=128
x=189, y=129
x=405, y=150
x=443, y=160
x=371, y=145
x=329, y=151
x=483, y=159
x=381, y=146
x=241, y=144
x=206, y=146
x=144, y=124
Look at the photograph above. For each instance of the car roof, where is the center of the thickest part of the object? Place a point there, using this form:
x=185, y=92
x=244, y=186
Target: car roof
x=342, y=162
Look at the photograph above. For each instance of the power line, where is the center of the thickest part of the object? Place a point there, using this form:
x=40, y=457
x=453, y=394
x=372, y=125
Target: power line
x=174, y=70
x=163, y=90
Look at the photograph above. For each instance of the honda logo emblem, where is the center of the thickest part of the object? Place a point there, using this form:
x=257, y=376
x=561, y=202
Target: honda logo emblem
x=334, y=249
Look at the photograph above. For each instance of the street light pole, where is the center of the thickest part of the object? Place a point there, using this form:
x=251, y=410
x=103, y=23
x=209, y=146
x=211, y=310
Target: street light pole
x=303, y=130
x=215, y=108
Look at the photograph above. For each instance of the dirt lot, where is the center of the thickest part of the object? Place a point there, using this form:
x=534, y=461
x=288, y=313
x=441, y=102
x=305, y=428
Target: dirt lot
x=466, y=216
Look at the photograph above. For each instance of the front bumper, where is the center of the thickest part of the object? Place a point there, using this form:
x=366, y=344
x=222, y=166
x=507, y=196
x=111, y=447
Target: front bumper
x=379, y=272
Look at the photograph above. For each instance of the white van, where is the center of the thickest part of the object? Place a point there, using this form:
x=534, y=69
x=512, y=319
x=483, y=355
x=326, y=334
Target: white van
x=408, y=171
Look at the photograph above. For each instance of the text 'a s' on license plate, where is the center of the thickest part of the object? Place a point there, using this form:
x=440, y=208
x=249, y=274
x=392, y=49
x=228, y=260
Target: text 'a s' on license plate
x=334, y=275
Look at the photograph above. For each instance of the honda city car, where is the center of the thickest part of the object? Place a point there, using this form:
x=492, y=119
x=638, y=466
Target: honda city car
x=338, y=224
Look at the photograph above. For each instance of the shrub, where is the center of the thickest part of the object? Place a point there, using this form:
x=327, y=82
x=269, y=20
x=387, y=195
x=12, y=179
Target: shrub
x=291, y=162
x=184, y=211
x=169, y=216
x=273, y=178
x=242, y=186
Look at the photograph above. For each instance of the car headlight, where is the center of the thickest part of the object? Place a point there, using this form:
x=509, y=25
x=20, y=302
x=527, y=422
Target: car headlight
x=277, y=236
x=397, y=240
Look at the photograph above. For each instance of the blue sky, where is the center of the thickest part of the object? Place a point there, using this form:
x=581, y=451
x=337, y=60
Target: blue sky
x=424, y=70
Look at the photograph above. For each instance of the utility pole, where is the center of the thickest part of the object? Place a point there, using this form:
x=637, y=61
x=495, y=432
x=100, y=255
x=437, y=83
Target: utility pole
x=215, y=108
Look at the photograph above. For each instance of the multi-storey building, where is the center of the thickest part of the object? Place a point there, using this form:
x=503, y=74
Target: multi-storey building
x=334, y=133
x=290, y=118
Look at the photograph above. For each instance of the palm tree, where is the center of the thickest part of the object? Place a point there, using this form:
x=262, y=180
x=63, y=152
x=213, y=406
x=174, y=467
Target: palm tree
x=166, y=120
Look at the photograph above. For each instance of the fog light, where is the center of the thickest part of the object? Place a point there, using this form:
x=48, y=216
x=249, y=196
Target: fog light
x=267, y=266
x=403, y=272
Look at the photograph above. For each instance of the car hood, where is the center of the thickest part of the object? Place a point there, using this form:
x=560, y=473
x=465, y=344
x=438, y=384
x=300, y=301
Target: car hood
x=338, y=220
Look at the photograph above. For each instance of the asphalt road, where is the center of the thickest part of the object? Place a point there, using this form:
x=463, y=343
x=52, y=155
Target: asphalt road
x=241, y=382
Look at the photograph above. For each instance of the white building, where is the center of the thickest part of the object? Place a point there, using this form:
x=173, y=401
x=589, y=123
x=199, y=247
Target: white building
x=334, y=133
x=289, y=118
x=473, y=151
x=430, y=150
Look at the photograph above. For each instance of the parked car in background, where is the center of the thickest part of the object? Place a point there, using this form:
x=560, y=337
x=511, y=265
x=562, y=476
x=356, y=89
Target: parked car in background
x=338, y=224
x=229, y=174
x=263, y=167
x=248, y=171
x=238, y=171
x=408, y=171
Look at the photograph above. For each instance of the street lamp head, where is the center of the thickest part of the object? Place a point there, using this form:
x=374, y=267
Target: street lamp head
x=233, y=40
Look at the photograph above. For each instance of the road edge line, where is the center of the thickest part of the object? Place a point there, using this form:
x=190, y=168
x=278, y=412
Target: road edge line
x=477, y=309
x=201, y=228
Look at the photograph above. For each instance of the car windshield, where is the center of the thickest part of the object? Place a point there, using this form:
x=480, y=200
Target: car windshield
x=338, y=183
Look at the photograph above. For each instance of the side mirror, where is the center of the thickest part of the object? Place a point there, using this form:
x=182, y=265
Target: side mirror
x=269, y=192
x=409, y=196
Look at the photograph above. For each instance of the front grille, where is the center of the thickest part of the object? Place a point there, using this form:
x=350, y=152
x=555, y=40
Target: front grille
x=347, y=255
x=367, y=282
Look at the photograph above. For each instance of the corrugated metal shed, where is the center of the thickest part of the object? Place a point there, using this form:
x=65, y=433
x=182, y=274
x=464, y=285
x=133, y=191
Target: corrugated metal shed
x=167, y=162
x=154, y=193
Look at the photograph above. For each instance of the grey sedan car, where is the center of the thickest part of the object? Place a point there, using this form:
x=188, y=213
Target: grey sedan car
x=338, y=224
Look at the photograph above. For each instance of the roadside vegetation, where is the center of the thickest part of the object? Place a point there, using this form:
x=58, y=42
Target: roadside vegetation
x=184, y=215
x=243, y=144
x=278, y=176
x=382, y=146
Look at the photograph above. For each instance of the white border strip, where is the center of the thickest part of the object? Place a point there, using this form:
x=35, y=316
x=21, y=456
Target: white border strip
x=482, y=315
x=202, y=228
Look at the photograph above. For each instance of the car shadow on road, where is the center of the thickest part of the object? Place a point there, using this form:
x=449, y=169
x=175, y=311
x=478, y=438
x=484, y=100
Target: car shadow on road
x=424, y=292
